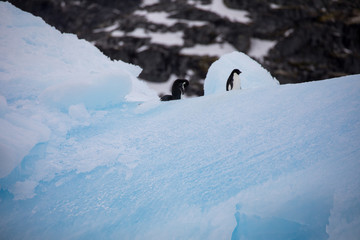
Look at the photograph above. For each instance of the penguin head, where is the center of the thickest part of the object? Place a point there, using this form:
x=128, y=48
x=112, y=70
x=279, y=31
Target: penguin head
x=180, y=84
x=237, y=71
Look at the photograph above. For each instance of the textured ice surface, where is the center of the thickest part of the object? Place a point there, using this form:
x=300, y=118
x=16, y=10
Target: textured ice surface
x=41, y=70
x=272, y=162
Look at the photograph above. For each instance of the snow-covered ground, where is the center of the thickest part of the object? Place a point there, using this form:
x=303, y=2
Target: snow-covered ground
x=149, y=2
x=164, y=18
x=260, y=48
x=78, y=160
x=218, y=7
x=166, y=39
x=214, y=50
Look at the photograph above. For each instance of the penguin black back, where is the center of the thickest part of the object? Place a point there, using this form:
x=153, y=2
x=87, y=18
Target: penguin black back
x=231, y=79
x=178, y=88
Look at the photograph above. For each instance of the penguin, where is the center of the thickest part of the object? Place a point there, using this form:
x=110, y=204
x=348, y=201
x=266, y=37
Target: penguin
x=233, y=81
x=178, y=88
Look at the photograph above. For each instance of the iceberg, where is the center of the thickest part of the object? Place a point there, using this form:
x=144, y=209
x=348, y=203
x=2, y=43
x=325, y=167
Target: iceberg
x=41, y=67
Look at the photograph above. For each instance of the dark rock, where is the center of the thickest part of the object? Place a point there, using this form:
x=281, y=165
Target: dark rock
x=202, y=35
x=153, y=60
x=190, y=13
x=240, y=39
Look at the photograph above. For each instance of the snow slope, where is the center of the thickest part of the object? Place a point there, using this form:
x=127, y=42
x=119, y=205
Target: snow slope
x=40, y=66
x=271, y=162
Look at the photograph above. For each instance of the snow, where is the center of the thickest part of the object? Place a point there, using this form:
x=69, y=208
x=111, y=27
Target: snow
x=192, y=23
x=108, y=28
x=167, y=38
x=3, y=105
x=163, y=18
x=216, y=49
x=165, y=87
x=156, y=17
x=218, y=7
x=149, y=2
x=275, y=6
x=161, y=38
x=266, y=162
x=118, y=33
x=260, y=48
x=253, y=75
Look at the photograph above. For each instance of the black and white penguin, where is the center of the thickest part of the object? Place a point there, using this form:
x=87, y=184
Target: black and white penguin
x=178, y=89
x=233, y=81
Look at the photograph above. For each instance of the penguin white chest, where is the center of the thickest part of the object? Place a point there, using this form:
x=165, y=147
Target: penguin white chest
x=237, y=83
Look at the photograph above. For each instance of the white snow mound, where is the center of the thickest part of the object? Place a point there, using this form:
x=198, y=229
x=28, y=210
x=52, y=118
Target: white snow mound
x=253, y=75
